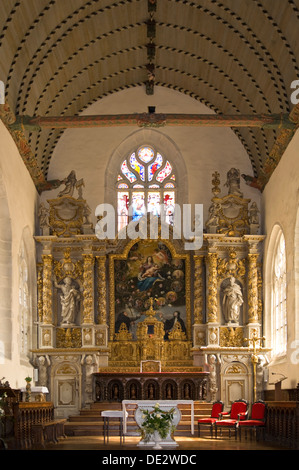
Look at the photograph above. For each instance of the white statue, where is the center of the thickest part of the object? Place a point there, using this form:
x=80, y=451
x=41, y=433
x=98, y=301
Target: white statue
x=69, y=300
x=43, y=214
x=253, y=214
x=214, y=214
x=232, y=301
x=70, y=183
x=233, y=182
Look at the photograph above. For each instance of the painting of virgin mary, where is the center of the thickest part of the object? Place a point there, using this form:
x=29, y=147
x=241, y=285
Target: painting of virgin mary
x=149, y=271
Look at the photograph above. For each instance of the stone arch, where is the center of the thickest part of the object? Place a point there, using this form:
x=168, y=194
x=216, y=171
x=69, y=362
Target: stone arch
x=268, y=270
x=5, y=275
x=27, y=255
x=163, y=144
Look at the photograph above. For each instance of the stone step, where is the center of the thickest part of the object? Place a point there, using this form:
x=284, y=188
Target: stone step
x=90, y=423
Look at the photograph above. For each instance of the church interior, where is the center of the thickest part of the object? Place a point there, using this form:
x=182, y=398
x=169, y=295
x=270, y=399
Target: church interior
x=149, y=246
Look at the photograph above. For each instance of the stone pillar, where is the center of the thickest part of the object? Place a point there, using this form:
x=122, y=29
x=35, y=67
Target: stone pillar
x=88, y=281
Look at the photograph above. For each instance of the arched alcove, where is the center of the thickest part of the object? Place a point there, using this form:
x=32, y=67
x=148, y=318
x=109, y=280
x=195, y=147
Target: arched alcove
x=270, y=254
x=296, y=278
x=5, y=276
x=162, y=144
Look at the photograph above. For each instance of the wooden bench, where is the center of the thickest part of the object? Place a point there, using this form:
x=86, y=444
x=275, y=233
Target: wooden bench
x=49, y=431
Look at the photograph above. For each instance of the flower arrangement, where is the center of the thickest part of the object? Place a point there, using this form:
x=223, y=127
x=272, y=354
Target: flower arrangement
x=28, y=379
x=157, y=420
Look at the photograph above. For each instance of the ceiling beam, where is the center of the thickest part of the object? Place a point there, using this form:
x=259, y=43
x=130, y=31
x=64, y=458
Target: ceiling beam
x=152, y=119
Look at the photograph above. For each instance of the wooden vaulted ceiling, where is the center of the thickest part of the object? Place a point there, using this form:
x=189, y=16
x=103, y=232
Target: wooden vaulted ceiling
x=57, y=57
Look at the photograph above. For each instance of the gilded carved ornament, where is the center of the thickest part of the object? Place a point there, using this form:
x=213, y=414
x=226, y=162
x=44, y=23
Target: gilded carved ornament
x=68, y=268
x=68, y=338
x=231, y=266
x=231, y=337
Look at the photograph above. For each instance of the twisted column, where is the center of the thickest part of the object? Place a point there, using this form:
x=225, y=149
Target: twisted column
x=47, y=289
x=88, y=277
x=252, y=288
x=101, y=287
x=211, y=260
x=198, y=289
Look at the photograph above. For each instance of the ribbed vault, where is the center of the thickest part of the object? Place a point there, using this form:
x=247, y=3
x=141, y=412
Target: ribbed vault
x=57, y=57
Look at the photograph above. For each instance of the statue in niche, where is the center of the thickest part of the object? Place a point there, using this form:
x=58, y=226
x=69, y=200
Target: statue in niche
x=232, y=301
x=233, y=182
x=69, y=300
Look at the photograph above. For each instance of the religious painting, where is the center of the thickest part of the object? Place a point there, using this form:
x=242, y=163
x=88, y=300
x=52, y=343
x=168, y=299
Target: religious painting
x=150, y=270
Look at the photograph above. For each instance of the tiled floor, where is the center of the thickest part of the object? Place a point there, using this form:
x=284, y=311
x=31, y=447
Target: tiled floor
x=184, y=443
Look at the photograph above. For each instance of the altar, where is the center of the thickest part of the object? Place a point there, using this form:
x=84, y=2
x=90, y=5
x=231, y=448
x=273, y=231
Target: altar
x=165, y=405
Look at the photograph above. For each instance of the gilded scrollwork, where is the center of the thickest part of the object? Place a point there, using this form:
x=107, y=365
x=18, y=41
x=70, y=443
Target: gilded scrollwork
x=68, y=338
x=231, y=266
x=67, y=267
x=231, y=337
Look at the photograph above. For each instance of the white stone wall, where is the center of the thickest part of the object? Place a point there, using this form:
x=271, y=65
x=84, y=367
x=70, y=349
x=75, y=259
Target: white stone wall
x=17, y=219
x=203, y=149
x=280, y=203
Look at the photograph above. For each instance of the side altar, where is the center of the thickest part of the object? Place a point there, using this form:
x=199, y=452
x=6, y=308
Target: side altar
x=144, y=318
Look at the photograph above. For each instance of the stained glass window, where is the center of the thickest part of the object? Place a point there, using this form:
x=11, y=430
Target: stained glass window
x=146, y=183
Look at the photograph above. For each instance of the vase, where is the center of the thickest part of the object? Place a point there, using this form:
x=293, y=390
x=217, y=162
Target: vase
x=157, y=439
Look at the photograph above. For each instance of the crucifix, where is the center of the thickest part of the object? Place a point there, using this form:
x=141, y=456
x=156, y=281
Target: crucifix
x=254, y=358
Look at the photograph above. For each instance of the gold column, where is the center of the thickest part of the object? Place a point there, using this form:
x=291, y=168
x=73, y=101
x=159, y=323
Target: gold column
x=101, y=285
x=88, y=277
x=211, y=260
x=40, y=292
x=198, y=289
x=252, y=288
x=47, y=289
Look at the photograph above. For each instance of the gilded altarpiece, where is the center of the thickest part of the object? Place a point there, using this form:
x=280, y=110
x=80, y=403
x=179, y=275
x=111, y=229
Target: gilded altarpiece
x=228, y=296
x=121, y=318
x=150, y=310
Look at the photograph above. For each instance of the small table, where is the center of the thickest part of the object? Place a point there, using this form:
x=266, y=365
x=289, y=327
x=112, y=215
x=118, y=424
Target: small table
x=114, y=414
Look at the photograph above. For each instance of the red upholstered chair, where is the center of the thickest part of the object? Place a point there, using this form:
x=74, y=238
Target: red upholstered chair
x=210, y=420
x=257, y=421
x=229, y=420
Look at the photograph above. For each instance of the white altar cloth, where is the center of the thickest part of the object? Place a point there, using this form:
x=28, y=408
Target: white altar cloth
x=167, y=404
